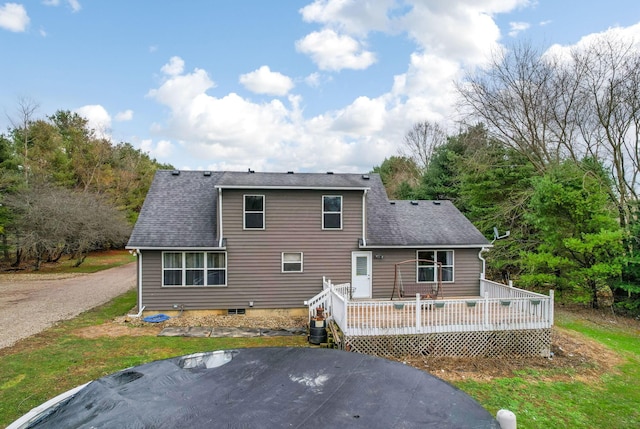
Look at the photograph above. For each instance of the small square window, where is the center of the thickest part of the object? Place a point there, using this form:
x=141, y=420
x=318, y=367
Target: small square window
x=292, y=262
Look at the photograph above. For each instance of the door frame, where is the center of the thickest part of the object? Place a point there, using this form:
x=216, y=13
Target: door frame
x=369, y=255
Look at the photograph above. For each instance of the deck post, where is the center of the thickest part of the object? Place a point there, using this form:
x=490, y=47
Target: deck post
x=485, y=314
x=418, y=315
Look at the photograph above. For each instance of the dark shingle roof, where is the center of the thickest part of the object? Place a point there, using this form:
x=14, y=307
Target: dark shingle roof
x=418, y=223
x=180, y=211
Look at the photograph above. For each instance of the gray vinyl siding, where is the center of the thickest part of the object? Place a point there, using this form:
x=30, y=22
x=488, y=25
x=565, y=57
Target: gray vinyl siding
x=293, y=223
x=467, y=268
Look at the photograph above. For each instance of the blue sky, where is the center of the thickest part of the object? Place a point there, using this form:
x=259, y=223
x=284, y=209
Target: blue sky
x=270, y=85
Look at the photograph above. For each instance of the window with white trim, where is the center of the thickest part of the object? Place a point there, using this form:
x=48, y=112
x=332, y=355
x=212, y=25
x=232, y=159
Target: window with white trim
x=292, y=262
x=332, y=212
x=194, y=269
x=427, y=266
x=253, y=212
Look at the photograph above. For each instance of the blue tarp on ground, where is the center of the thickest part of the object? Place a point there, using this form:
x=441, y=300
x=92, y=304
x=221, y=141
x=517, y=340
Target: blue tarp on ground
x=156, y=318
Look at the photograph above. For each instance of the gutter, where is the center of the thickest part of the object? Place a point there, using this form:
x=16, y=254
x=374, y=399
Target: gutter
x=140, y=306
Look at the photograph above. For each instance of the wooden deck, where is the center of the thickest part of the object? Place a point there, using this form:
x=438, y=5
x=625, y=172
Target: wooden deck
x=501, y=307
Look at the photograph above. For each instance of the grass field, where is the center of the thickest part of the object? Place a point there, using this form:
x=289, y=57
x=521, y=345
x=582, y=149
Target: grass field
x=38, y=368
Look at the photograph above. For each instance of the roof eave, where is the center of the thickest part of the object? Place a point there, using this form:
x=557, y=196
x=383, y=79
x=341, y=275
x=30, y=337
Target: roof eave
x=426, y=246
x=130, y=247
x=306, y=188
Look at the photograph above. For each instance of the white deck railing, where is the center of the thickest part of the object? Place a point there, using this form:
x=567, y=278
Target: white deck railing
x=502, y=308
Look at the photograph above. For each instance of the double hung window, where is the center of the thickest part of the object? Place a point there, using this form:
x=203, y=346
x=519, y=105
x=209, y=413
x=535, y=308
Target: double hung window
x=433, y=264
x=194, y=269
x=331, y=212
x=253, y=209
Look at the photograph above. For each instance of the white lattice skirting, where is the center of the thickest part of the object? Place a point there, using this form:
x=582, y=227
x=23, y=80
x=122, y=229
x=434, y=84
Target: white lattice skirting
x=496, y=344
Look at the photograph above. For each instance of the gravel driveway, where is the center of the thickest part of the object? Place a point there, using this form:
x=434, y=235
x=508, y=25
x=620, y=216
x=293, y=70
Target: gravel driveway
x=30, y=303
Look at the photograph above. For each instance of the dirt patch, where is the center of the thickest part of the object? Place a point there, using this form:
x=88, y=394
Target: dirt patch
x=575, y=357
x=129, y=326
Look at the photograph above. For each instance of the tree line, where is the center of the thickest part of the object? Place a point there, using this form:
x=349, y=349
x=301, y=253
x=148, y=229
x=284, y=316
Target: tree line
x=65, y=190
x=548, y=150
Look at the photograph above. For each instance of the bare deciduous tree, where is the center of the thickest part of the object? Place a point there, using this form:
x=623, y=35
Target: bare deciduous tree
x=558, y=105
x=22, y=122
x=420, y=142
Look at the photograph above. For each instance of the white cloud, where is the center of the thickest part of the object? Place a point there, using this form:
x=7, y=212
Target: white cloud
x=264, y=81
x=98, y=119
x=13, y=17
x=629, y=34
x=161, y=150
x=331, y=51
x=516, y=27
x=227, y=131
x=544, y=23
x=174, y=67
x=125, y=115
x=313, y=80
x=364, y=116
x=73, y=4
x=350, y=16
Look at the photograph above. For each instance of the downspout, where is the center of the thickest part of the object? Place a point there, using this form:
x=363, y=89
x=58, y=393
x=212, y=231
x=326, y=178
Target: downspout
x=482, y=273
x=364, y=218
x=484, y=262
x=140, y=306
x=220, y=215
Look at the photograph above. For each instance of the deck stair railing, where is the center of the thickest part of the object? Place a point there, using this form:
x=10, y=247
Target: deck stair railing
x=501, y=307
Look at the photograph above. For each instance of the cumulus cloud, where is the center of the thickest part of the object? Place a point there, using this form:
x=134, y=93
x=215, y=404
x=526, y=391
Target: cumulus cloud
x=98, y=119
x=174, y=67
x=332, y=51
x=351, y=16
x=125, y=115
x=163, y=149
x=264, y=81
x=227, y=131
x=517, y=27
x=13, y=17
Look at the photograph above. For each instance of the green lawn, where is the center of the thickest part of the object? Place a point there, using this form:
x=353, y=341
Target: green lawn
x=40, y=367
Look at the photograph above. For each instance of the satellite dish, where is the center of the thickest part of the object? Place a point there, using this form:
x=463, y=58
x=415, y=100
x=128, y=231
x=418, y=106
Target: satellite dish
x=497, y=236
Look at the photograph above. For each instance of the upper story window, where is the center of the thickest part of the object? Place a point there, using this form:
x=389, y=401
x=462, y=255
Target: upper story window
x=427, y=266
x=292, y=262
x=194, y=269
x=331, y=212
x=253, y=212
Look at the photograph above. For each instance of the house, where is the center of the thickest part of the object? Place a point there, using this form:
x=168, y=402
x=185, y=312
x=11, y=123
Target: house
x=246, y=241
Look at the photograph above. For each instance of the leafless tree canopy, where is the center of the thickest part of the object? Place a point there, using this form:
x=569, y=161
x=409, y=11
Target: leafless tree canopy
x=420, y=142
x=554, y=106
x=53, y=221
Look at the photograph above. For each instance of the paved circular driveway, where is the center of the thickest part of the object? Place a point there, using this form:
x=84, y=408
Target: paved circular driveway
x=31, y=303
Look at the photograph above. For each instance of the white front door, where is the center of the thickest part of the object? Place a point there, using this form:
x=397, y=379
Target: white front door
x=361, y=274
